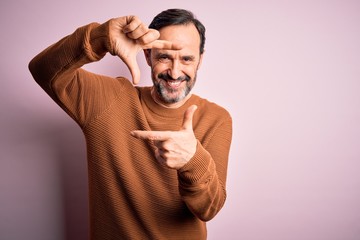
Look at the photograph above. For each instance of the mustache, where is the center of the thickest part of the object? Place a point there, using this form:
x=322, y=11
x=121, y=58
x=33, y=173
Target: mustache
x=167, y=77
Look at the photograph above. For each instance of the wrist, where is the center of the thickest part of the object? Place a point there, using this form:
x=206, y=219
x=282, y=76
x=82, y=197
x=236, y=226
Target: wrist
x=99, y=39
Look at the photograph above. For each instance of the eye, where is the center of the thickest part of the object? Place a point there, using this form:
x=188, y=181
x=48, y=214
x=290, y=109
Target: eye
x=163, y=58
x=187, y=59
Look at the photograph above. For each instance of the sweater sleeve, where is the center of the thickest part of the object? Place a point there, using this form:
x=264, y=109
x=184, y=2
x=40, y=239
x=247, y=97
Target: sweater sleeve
x=202, y=181
x=58, y=71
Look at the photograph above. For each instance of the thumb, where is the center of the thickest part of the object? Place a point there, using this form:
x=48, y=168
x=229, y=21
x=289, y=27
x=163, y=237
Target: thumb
x=188, y=118
x=134, y=69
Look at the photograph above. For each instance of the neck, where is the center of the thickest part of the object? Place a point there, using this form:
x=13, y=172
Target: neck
x=157, y=99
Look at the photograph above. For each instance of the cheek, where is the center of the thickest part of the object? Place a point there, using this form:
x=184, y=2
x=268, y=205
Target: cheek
x=190, y=71
x=158, y=68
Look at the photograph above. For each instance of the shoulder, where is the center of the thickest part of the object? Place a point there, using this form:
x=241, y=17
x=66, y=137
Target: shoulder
x=210, y=109
x=123, y=86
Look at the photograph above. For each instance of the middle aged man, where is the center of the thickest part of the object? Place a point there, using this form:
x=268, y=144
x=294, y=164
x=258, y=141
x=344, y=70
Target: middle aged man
x=157, y=156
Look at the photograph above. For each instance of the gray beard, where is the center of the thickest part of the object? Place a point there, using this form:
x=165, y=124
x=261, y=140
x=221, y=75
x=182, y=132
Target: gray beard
x=163, y=92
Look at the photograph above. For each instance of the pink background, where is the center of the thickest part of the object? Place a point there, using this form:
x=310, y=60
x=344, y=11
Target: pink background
x=289, y=73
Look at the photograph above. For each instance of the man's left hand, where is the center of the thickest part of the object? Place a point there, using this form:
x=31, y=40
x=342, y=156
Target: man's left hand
x=173, y=148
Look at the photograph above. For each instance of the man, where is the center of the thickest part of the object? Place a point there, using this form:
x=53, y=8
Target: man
x=157, y=156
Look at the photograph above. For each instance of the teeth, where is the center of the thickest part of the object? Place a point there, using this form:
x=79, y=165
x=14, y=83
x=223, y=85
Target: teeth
x=174, y=83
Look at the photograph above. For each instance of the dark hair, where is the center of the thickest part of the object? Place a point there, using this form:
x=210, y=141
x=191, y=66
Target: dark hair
x=179, y=17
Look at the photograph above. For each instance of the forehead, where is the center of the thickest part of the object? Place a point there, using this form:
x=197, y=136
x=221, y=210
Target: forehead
x=187, y=35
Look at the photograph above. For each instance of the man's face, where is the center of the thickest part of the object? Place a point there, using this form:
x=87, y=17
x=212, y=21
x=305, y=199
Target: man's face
x=174, y=71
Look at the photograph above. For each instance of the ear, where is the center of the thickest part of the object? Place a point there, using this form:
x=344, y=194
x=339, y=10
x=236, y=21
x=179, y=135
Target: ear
x=200, y=60
x=147, y=53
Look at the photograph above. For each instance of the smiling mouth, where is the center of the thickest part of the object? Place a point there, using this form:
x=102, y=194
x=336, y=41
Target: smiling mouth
x=174, y=83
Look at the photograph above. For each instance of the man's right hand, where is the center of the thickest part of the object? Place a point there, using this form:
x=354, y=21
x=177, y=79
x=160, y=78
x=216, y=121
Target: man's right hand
x=128, y=36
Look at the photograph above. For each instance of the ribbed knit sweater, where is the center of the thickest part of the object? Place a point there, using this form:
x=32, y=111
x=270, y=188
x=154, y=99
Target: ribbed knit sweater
x=131, y=195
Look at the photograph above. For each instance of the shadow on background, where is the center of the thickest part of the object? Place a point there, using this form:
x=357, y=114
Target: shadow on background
x=69, y=145
x=72, y=159
x=43, y=178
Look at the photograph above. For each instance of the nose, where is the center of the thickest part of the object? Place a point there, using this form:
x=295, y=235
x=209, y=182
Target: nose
x=175, y=70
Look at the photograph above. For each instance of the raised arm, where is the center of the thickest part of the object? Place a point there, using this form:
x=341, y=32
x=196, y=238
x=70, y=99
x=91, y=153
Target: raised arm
x=58, y=71
x=123, y=37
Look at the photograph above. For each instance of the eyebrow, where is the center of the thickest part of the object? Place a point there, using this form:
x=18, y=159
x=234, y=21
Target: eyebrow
x=165, y=54
x=162, y=54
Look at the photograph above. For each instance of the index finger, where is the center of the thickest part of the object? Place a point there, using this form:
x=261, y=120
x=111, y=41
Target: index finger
x=152, y=135
x=163, y=44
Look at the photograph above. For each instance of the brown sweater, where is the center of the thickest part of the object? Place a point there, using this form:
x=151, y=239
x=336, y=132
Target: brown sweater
x=132, y=196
